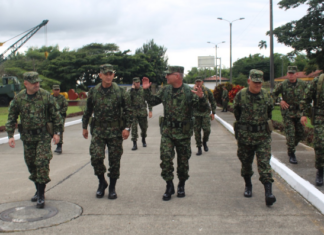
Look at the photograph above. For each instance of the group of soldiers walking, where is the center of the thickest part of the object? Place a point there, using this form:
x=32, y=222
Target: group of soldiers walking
x=111, y=112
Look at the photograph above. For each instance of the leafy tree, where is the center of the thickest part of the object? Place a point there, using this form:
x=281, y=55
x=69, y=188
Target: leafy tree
x=241, y=80
x=157, y=59
x=305, y=33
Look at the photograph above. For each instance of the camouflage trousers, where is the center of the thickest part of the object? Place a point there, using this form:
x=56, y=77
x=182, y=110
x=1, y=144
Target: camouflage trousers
x=167, y=152
x=263, y=154
x=204, y=124
x=97, y=152
x=225, y=104
x=295, y=132
x=38, y=155
x=61, y=137
x=318, y=145
x=142, y=121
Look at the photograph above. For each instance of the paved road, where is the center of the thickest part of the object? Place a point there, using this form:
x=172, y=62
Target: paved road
x=214, y=203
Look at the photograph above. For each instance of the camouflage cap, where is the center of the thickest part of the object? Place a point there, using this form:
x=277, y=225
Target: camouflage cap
x=105, y=68
x=56, y=87
x=292, y=69
x=256, y=75
x=32, y=77
x=174, y=69
x=199, y=79
x=136, y=79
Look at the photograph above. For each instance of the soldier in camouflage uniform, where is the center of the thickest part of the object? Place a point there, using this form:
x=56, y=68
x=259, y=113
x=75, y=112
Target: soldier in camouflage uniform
x=111, y=107
x=63, y=104
x=176, y=126
x=139, y=107
x=36, y=107
x=292, y=91
x=225, y=99
x=315, y=93
x=252, y=111
x=202, y=119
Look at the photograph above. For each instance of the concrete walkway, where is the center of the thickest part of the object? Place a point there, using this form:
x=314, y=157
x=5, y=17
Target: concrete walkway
x=214, y=202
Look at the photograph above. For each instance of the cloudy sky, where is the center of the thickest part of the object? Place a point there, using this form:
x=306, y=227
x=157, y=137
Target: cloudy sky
x=182, y=26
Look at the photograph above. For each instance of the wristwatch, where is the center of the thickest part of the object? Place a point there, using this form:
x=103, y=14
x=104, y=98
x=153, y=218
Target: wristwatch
x=127, y=128
x=57, y=133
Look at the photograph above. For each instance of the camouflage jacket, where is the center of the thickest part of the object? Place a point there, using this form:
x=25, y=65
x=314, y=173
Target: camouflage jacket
x=292, y=95
x=139, y=105
x=310, y=95
x=178, y=107
x=63, y=103
x=256, y=110
x=225, y=95
x=108, y=109
x=211, y=107
x=33, y=112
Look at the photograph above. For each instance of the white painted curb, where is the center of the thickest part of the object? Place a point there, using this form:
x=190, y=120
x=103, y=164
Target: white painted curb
x=302, y=186
x=4, y=140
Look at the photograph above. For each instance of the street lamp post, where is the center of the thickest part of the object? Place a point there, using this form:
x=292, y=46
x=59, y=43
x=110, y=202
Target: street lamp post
x=216, y=56
x=230, y=22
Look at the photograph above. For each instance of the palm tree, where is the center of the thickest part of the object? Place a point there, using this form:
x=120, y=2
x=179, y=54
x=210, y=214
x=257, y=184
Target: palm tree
x=263, y=44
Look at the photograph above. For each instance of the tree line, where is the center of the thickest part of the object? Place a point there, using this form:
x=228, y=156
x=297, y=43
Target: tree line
x=79, y=68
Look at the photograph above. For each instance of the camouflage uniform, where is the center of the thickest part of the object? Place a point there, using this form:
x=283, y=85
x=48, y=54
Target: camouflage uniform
x=252, y=116
x=176, y=126
x=139, y=107
x=110, y=108
x=225, y=99
x=63, y=104
x=318, y=122
x=35, y=111
x=202, y=119
x=292, y=94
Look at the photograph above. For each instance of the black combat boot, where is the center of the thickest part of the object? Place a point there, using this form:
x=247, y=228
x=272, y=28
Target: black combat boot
x=58, y=148
x=169, y=191
x=181, y=189
x=143, y=141
x=292, y=158
x=269, y=197
x=319, y=177
x=205, y=146
x=134, y=145
x=112, y=193
x=199, y=151
x=102, y=186
x=248, y=186
x=41, y=196
x=34, y=198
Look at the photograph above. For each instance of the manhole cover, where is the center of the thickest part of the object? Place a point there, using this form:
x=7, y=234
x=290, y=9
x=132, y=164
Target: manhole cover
x=27, y=214
x=21, y=216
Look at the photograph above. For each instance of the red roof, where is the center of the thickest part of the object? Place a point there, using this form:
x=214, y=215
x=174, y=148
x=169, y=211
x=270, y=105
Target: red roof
x=303, y=75
x=212, y=78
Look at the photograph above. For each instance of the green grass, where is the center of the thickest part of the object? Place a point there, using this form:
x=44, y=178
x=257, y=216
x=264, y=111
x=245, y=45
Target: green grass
x=4, y=113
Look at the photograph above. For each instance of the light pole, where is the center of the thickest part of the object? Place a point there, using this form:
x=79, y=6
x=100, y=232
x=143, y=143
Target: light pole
x=230, y=22
x=216, y=55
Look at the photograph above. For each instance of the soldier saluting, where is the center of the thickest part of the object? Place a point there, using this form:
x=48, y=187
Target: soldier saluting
x=110, y=124
x=63, y=104
x=176, y=126
x=253, y=111
x=36, y=108
x=292, y=90
x=139, y=107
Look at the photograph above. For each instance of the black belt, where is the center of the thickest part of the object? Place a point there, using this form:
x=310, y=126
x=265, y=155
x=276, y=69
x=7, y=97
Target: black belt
x=107, y=124
x=175, y=124
x=252, y=128
x=34, y=131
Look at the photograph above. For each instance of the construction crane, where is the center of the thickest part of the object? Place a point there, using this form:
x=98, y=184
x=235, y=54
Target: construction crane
x=18, y=44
